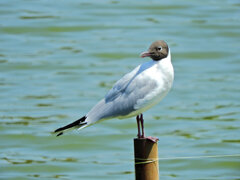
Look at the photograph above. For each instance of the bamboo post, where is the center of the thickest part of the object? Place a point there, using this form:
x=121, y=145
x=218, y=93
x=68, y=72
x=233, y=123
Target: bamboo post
x=146, y=159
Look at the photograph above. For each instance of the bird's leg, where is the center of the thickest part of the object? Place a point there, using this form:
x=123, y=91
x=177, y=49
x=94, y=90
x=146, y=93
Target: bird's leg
x=142, y=124
x=138, y=124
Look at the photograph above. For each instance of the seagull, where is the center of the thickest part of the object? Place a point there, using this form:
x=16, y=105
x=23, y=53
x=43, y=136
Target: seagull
x=135, y=92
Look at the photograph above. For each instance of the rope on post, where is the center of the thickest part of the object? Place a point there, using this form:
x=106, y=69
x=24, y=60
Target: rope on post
x=146, y=159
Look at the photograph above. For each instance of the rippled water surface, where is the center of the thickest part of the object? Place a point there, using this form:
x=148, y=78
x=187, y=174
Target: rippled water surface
x=58, y=58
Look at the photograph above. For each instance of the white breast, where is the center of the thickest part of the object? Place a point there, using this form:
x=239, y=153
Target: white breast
x=163, y=74
x=136, y=92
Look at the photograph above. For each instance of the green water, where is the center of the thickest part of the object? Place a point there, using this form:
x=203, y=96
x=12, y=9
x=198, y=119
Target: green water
x=58, y=58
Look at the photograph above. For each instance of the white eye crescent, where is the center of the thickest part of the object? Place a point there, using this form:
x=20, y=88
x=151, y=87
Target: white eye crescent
x=159, y=48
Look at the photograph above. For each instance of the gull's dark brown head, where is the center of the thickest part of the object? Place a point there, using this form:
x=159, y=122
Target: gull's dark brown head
x=157, y=51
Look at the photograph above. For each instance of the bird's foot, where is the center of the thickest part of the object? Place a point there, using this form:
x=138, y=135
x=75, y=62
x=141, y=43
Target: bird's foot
x=140, y=125
x=153, y=139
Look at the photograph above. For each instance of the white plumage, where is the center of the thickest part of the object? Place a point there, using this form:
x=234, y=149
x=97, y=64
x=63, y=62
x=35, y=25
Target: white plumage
x=135, y=92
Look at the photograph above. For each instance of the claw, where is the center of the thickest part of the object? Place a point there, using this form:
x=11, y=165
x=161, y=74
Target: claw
x=153, y=139
x=140, y=125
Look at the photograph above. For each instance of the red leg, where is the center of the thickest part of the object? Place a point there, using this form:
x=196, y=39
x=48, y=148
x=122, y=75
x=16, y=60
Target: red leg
x=142, y=124
x=138, y=124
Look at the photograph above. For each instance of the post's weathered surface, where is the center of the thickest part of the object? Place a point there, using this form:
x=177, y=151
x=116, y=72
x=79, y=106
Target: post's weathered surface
x=146, y=159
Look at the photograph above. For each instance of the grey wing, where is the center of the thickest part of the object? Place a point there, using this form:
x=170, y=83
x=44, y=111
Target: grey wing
x=127, y=96
x=119, y=87
x=128, y=99
x=105, y=108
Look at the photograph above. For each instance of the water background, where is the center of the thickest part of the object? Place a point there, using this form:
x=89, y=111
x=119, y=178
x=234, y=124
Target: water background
x=58, y=58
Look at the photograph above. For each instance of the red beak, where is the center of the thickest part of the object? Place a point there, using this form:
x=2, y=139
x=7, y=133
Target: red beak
x=145, y=54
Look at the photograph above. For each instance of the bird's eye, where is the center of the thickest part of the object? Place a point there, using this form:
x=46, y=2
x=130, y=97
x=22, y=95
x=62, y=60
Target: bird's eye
x=159, y=48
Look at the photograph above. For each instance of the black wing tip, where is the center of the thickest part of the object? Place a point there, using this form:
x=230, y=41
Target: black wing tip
x=59, y=134
x=73, y=124
x=59, y=129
